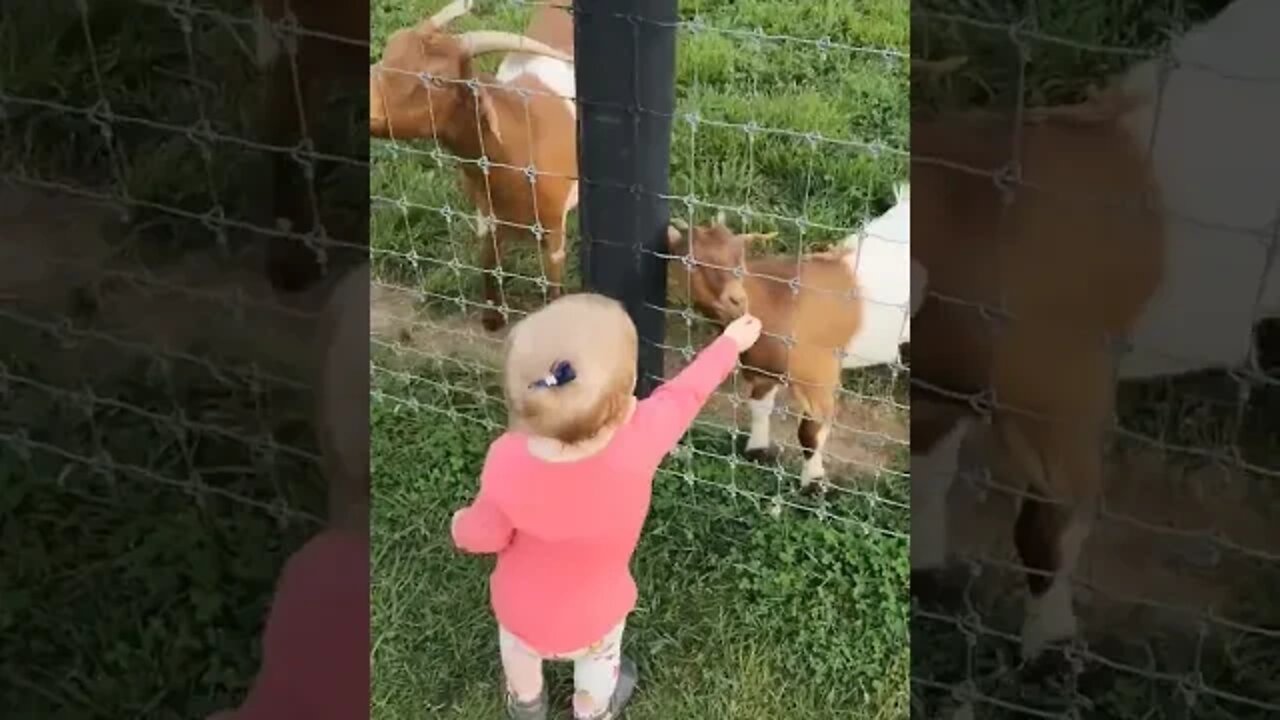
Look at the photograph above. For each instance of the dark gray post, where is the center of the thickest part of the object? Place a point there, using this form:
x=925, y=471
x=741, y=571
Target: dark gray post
x=625, y=51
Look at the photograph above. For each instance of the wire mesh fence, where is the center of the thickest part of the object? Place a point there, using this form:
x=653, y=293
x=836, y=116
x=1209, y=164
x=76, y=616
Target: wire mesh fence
x=156, y=440
x=790, y=125
x=1169, y=577
x=756, y=152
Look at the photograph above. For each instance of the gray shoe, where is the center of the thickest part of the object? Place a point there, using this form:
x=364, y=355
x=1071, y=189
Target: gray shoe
x=534, y=710
x=627, y=676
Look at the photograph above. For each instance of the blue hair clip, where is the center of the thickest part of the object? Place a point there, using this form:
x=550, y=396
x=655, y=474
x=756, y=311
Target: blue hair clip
x=561, y=374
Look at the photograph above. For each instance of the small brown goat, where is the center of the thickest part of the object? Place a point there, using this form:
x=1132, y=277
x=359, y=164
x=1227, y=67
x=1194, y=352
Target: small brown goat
x=1072, y=274
x=524, y=118
x=330, y=41
x=805, y=330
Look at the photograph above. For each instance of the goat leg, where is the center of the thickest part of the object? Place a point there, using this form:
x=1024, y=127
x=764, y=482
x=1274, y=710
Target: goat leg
x=1051, y=529
x=813, y=436
x=764, y=395
x=291, y=265
x=553, y=253
x=492, y=317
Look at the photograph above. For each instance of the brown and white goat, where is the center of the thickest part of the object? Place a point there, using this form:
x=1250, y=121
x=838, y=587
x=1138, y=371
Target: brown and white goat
x=329, y=43
x=1024, y=301
x=522, y=119
x=806, y=328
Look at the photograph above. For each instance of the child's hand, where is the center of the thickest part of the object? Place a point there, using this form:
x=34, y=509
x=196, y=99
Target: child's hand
x=744, y=332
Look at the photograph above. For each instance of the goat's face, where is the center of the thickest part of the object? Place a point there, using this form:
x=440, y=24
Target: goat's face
x=420, y=86
x=714, y=278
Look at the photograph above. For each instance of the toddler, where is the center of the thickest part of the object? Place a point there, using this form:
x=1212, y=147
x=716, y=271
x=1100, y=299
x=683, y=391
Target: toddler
x=565, y=491
x=315, y=646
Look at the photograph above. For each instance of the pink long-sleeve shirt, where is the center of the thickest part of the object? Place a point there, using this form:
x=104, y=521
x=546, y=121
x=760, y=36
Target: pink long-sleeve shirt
x=315, y=647
x=564, y=532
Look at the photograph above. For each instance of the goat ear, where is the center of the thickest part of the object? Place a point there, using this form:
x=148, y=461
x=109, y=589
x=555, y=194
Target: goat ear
x=488, y=115
x=675, y=240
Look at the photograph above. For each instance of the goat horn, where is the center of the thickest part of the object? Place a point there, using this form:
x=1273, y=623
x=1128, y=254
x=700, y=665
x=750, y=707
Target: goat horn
x=679, y=224
x=480, y=42
x=448, y=14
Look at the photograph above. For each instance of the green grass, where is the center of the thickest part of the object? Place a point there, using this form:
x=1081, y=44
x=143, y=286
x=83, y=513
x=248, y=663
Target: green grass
x=745, y=613
x=742, y=613
x=138, y=588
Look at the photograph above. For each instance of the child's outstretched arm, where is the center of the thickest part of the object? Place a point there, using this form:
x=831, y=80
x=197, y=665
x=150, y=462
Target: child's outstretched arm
x=664, y=417
x=481, y=527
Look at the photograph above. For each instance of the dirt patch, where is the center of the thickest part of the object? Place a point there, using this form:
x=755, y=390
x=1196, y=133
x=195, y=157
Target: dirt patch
x=1174, y=543
x=86, y=311
x=866, y=439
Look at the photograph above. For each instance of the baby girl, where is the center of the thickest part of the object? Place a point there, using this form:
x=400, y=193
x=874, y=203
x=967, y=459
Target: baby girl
x=565, y=491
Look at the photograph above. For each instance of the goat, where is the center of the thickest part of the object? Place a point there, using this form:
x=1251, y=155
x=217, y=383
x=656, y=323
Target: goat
x=524, y=118
x=882, y=252
x=1210, y=131
x=1071, y=274
x=1214, y=158
x=295, y=83
x=804, y=333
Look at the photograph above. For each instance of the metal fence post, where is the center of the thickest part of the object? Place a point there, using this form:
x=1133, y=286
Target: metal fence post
x=625, y=72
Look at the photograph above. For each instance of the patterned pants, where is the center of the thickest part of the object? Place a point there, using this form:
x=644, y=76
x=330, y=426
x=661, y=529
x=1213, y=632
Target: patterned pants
x=595, y=670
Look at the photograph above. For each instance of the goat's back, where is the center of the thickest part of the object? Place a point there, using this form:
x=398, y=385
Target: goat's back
x=1074, y=258
x=820, y=316
x=538, y=131
x=552, y=25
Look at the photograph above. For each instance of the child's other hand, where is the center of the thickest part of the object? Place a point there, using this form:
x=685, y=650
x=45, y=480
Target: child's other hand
x=744, y=332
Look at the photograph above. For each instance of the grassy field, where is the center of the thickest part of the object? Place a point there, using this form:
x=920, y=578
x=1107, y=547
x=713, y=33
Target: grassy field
x=1149, y=661
x=153, y=431
x=749, y=610
x=848, y=99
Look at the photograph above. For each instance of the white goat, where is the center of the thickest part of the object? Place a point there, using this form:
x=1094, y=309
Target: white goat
x=1212, y=131
x=881, y=261
x=1215, y=162
x=521, y=120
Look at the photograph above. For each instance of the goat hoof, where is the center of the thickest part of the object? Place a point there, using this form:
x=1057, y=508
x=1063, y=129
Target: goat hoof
x=290, y=279
x=814, y=488
x=761, y=456
x=1046, y=667
x=492, y=320
x=1049, y=618
x=937, y=588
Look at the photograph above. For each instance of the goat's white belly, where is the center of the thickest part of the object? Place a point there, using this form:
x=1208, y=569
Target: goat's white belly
x=1216, y=156
x=883, y=270
x=557, y=75
x=881, y=262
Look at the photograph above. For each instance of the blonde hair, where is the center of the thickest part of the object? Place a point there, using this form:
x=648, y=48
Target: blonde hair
x=594, y=334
